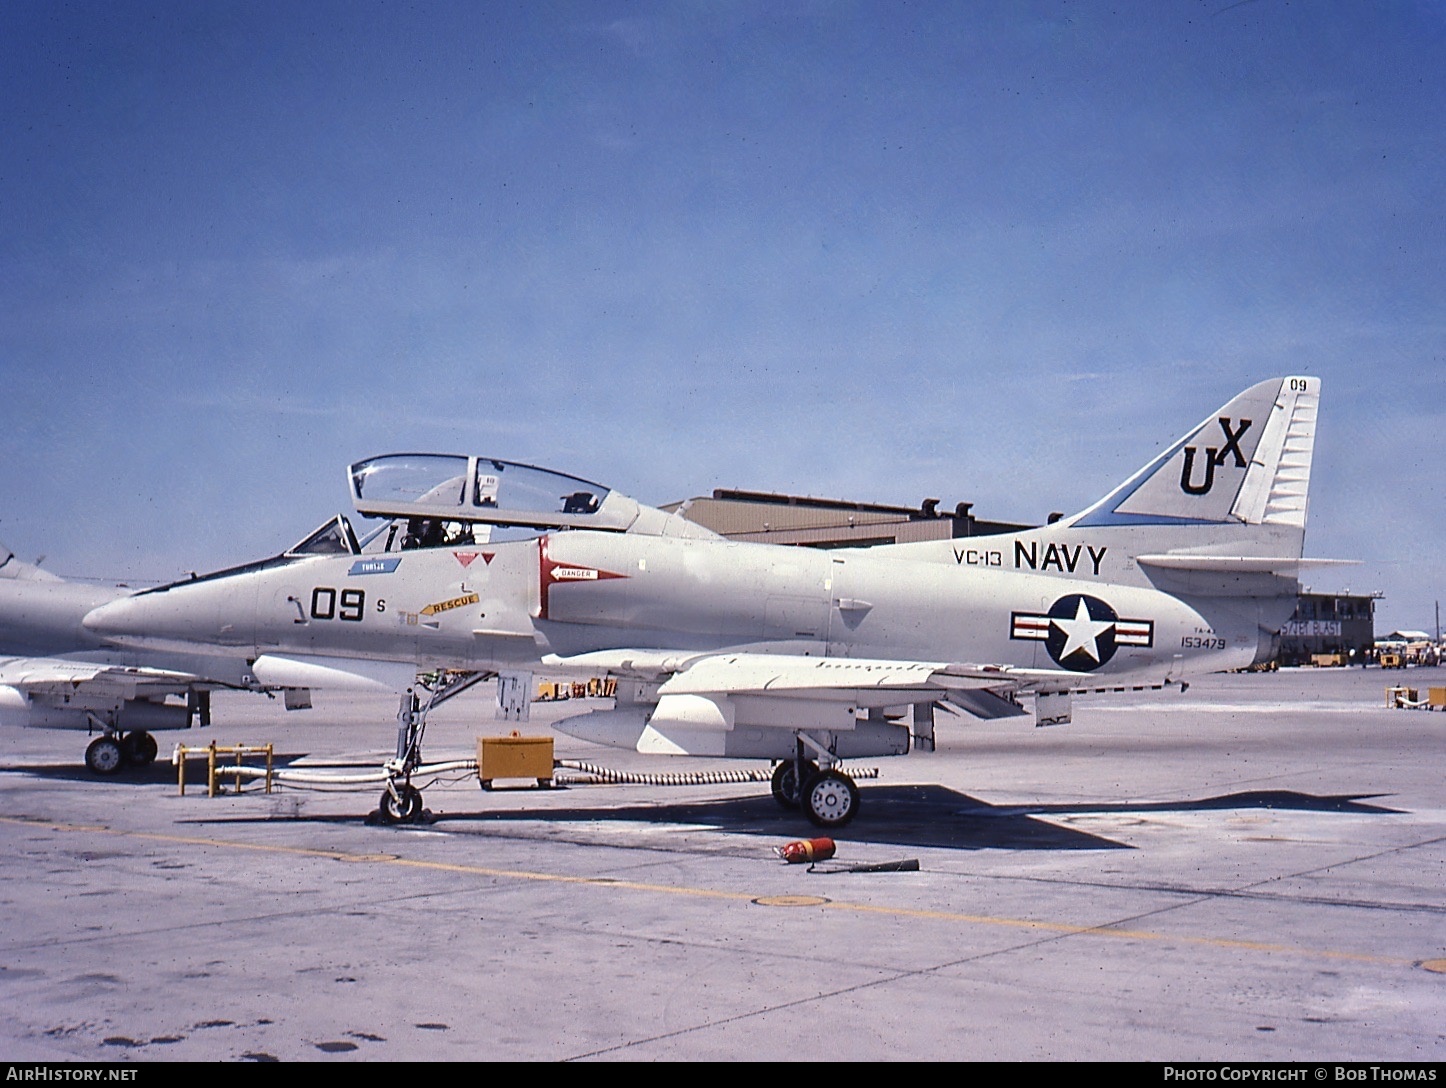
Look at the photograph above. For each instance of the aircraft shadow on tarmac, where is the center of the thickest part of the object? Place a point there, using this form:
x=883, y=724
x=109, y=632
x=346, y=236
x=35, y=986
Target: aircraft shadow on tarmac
x=918, y=816
x=932, y=816
x=921, y=816
x=161, y=771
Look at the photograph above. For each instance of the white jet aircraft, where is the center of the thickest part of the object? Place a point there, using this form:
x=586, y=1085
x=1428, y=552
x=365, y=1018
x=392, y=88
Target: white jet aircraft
x=731, y=649
x=54, y=673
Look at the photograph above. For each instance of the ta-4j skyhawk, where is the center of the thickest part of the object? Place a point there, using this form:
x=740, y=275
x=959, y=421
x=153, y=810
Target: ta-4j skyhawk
x=729, y=649
x=56, y=673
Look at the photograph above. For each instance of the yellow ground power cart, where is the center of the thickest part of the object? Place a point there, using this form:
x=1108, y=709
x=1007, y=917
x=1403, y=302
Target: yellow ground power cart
x=514, y=756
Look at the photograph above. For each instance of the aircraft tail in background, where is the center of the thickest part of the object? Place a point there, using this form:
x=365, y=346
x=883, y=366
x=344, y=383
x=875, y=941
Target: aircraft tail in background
x=12, y=566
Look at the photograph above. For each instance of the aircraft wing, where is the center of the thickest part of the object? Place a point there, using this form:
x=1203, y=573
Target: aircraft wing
x=748, y=704
x=683, y=672
x=60, y=676
x=76, y=693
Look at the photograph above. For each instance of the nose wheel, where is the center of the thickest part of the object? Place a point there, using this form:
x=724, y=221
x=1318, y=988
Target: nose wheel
x=402, y=805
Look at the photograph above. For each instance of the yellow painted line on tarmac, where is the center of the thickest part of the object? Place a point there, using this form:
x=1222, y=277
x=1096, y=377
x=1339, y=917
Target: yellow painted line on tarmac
x=376, y=859
x=1062, y=928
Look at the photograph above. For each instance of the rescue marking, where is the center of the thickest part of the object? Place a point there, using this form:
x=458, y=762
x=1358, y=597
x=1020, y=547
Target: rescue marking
x=447, y=606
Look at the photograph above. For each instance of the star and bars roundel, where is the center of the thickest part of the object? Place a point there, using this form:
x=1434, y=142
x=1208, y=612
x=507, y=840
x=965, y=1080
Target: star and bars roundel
x=1081, y=632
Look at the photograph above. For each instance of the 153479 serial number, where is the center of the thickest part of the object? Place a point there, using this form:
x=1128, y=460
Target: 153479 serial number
x=1202, y=642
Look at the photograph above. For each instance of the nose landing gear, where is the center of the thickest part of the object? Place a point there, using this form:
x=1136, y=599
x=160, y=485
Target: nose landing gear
x=401, y=802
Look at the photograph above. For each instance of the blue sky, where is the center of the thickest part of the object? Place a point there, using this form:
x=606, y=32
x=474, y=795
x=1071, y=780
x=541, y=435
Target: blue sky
x=992, y=252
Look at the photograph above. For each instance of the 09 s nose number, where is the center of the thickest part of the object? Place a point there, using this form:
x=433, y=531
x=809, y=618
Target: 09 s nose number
x=347, y=604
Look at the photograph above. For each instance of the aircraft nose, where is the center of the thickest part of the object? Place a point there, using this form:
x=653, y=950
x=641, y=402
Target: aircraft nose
x=136, y=623
x=109, y=620
x=183, y=619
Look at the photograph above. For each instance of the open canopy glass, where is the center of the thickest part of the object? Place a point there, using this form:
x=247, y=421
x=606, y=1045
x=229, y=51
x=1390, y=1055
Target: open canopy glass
x=482, y=489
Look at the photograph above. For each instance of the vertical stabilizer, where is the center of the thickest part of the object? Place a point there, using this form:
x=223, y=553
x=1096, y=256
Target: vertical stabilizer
x=1219, y=513
x=1246, y=464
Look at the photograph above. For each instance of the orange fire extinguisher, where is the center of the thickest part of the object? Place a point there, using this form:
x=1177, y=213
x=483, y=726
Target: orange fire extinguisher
x=806, y=850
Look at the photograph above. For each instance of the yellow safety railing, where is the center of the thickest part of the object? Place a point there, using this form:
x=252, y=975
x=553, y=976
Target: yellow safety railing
x=214, y=770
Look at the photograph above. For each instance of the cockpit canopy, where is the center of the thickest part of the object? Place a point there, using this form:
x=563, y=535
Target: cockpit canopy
x=480, y=489
x=433, y=500
x=336, y=537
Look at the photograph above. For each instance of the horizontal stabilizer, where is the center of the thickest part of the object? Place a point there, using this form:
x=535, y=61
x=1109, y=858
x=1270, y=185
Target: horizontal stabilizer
x=12, y=566
x=1240, y=564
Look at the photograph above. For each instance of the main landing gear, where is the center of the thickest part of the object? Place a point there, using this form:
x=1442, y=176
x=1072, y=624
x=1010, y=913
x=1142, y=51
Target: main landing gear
x=829, y=798
x=114, y=751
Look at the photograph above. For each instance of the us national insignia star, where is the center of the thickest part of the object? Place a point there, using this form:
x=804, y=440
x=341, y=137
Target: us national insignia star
x=1081, y=632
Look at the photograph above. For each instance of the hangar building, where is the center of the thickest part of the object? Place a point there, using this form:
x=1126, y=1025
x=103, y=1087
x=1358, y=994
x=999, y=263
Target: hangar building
x=768, y=518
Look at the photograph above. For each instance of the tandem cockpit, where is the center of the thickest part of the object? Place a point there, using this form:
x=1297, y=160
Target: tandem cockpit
x=432, y=500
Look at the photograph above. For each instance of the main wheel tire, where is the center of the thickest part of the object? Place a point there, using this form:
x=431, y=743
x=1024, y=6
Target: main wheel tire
x=403, y=808
x=785, y=781
x=831, y=799
x=139, y=748
x=104, y=756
